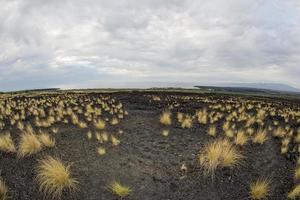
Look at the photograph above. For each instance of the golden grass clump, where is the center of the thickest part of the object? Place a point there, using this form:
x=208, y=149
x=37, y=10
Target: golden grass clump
x=294, y=193
x=100, y=124
x=82, y=125
x=46, y=140
x=212, y=130
x=279, y=132
x=165, y=133
x=202, y=116
x=187, y=122
x=165, y=118
x=7, y=144
x=104, y=136
x=120, y=190
x=229, y=133
x=101, y=151
x=89, y=135
x=114, y=121
x=29, y=144
x=217, y=154
x=241, y=138
x=114, y=140
x=179, y=117
x=259, y=189
x=98, y=137
x=54, y=177
x=3, y=190
x=260, y=137
x=54, y=130
x=297, y=173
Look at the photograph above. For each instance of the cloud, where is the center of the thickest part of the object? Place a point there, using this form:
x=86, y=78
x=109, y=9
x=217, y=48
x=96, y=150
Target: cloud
x=73, y=43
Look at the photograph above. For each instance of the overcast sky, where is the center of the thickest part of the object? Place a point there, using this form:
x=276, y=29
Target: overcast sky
x=136, y=43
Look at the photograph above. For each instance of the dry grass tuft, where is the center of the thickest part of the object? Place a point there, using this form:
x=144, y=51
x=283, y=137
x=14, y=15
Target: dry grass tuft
x=259, y=189
x=241, y=138
x=115, y=140
x=104, y=136
x=212, y=130
x=101, y=151
x=3, y=190
x=202, y=116
x=54, y=177
x=100, y=124
x=29, y=144
x=165, y=118
x=89, y=135
x=187, y=122
x=294, y=193
x=179, y=117
x=165, y=133
x=7, y=144
x=217, y=154
x=120, y=190
x=229, y=133
x=46, y=140
x=260, y=137
x=114, y=121
x=297, y=173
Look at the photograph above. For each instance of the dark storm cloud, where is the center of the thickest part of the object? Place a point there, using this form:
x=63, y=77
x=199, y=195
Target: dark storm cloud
x=72, y=43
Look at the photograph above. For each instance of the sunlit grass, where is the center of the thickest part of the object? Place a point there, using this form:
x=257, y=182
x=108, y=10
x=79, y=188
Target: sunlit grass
x=217, y=154
x=120, y=190
x=29, y=144
x=259, y=189
x=6, y=143
x=54, y=177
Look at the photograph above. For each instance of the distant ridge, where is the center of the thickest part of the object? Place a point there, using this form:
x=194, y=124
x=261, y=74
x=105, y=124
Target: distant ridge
x=256, y=86
x=266, y=86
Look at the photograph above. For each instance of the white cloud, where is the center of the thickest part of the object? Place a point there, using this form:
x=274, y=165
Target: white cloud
x=73, y=42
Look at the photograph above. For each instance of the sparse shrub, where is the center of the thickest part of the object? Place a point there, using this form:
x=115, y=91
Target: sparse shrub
x=165, y=118
x=29, y=144
x=6, y=143
x=54, y=177
x=259, y=189
x=119, y=190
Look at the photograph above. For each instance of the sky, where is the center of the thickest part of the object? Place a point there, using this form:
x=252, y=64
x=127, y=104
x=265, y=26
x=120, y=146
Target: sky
x=147, y=43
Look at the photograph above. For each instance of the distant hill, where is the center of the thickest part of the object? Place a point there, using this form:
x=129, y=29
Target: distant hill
x=266, y=86
x=254, y=89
